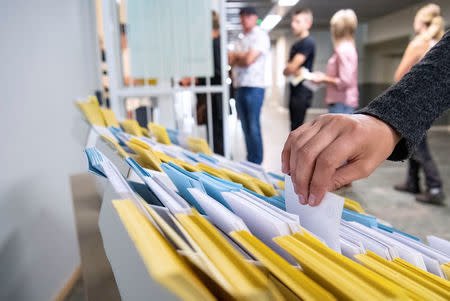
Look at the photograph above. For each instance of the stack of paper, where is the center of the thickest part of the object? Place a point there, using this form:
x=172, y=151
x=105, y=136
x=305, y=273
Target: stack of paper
x=230, y=223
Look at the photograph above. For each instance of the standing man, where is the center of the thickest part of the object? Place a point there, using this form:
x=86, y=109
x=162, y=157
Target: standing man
x=301, y=55
x=248, y=62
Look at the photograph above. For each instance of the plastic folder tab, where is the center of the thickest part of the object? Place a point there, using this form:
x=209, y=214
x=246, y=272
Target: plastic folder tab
x=94, y=162
x=142, y=173
x=161, y=259
x=115, y=145
x=212, y=171
x=109, y=117
x=353, y=206
x=159, y=132
x=344, y=278
x=184, y=180
x=265, y=188
x=365, y=220
x=209, y=158
x=132, y=127
x=198, y=145
x=243, y=179
x=392, y=230
x=145, y=154
x=446, y=269
x=173, y=136
x=295, y=280
x=145, y=132
x=91, y=110
x=405, y=267
x=242, y=280
x=416, y=288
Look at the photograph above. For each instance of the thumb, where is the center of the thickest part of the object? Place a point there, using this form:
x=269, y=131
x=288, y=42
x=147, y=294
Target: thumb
x=351, y=172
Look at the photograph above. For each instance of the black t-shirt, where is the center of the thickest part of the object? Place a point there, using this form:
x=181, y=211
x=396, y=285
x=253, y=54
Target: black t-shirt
x=306, y=47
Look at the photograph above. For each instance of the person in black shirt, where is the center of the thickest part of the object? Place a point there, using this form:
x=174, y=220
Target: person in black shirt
x=302, y=54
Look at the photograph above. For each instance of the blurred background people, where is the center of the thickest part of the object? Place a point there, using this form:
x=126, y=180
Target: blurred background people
x=429, y=27
x=301, y=55
x=341, y=77
x=216, y=98
x=248, y=62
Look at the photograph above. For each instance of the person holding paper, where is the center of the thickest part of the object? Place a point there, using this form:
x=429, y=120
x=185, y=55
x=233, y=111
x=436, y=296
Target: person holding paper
x=301, y=55
x=341, y=78
x=248, y=61
x=429, y=26
x=391, y=126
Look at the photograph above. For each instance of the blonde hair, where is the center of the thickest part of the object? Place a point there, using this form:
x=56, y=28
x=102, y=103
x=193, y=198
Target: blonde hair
x=343, y=25
x=431, y=15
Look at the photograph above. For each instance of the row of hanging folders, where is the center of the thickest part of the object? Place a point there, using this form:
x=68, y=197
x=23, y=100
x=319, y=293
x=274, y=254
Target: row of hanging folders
x=210, y=228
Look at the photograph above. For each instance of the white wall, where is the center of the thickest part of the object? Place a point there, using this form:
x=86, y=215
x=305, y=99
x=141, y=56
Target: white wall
x=400, y=23
x=387, y=38
x=47, y=59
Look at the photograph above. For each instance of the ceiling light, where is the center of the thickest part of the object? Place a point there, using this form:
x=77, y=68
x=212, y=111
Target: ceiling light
x=270, y=21
x=287, y=2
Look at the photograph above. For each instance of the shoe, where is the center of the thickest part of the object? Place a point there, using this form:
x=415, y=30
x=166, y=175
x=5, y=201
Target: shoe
x=433, y=196
x=406, y=188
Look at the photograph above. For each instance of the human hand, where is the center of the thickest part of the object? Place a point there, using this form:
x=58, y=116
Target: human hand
x=318, y=77
x=314, y=154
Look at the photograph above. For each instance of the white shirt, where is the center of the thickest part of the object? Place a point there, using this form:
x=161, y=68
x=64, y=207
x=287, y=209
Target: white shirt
x=253, y=75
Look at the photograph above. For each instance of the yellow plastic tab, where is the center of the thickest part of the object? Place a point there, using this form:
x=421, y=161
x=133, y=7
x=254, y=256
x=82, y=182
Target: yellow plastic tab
x=187, y=166
x=280, y=185
x=161, y=260
x=145, y=132
x=240, y=278
x=146, y=157
x=446, y=269
x=341, y=276
x=242, y=179
x=159, y=132
x=163, y=157
x=110, y=117
x=437, y=283
x=92, y=113
x=212, y=171
x=267, y=189
x=132, y=127
x=417, y=290
x=115, y=145
x=354, y=206
x=295, y=280
x=198, y=145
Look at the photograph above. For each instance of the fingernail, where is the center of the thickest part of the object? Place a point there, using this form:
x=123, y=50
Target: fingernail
x=312, y=200
x=302, y=200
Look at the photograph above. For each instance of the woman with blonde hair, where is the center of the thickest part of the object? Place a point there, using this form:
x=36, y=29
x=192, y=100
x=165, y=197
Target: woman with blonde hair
x=429, y=28
x=342, y=68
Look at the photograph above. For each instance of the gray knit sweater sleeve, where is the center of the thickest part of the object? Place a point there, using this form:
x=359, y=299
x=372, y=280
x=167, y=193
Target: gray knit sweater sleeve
x=411, y=105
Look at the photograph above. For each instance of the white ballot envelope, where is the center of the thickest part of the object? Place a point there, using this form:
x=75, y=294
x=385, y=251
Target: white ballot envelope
x=322, y=220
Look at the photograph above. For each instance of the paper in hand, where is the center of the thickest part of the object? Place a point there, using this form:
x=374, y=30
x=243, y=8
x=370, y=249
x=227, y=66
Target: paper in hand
x=322, y=220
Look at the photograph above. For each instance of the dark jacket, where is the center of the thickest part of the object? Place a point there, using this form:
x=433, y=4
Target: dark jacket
x=411, y=105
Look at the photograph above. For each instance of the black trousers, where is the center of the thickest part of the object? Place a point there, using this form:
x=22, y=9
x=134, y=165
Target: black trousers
x=421, y=158
x=217, y=124
x=298, y=104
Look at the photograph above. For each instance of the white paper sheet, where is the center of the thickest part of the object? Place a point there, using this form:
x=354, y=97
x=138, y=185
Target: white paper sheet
x=439, y=244
x=322, y=220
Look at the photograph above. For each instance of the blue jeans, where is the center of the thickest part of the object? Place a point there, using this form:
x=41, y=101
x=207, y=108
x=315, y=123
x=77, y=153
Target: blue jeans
x=340, y=108
x=249, y=101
